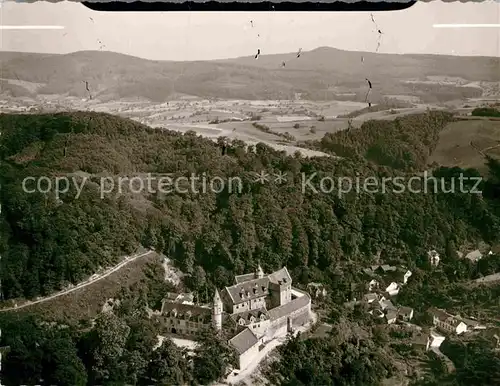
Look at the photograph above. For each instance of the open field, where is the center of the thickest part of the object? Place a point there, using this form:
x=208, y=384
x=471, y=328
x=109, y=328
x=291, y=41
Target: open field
x=462, y=142
x=281, y=124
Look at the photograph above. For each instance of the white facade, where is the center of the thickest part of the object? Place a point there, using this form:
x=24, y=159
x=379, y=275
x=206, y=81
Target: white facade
x=433, y=258
x=392, y=289
x=406, y=276
x=248, y=357
x=450, y=325
x=435, y=340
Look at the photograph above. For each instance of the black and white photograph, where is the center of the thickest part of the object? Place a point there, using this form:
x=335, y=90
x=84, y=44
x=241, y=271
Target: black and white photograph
x=250, y=198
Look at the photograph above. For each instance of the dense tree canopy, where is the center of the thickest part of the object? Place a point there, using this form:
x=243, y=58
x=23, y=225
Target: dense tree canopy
x=46, y=243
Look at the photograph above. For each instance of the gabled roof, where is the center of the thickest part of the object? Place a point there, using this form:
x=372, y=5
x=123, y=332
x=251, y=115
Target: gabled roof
x=405, y=311
x=443, y=316
x=391, y=314
x=247, y=314
x=245, y=277
x=387, y=304
x=433, y=254
x=474, y=255
x=185, y=311
x=244, y=341
x=248, y=290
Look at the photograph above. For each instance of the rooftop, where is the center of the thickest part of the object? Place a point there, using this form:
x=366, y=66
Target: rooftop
x=391, y=314
x=248, y=290
x=289, y=307
x=246, y=315
x=244, y=341
x=406, y=311
x=185, y=311
x=474, y=255
x=280, y=277
x=443, y=316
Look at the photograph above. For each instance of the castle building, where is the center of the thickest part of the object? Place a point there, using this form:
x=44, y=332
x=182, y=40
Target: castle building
x=256, y=309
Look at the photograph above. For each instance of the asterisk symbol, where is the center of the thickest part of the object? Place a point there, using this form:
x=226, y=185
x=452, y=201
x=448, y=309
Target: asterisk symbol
x=262, y=177
x=280, y=177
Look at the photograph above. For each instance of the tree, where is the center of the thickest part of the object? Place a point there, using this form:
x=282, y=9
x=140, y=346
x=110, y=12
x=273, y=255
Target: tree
x=106, y=346
x=213, y=355
x=168, y=366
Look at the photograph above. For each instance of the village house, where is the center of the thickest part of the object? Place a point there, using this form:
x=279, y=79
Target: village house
x=373, y=285
x=317, y=290
x=474, y=256
x=393, y=289
x=370, y=298
x=428, y=340
x=253, y=311
x=447, y=322
x=405, y=314
x=496, y=340
x=383, y=269
x=184, y=298
x=376, y=312
x=386, y=304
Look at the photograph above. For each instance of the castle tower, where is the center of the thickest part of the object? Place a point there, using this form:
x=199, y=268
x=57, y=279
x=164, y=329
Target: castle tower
x=259, y=274
x=217, y=311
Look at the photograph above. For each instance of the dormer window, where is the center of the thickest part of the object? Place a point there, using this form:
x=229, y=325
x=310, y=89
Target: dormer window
x=254, y=291
x=241, y=321
x=252, y=319
x=263, y=289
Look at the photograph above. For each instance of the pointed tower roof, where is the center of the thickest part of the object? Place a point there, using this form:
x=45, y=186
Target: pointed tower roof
x=259, y=273
x=217, y=298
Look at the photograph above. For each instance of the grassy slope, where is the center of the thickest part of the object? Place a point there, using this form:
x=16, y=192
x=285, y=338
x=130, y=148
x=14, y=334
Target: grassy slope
x=454, y=145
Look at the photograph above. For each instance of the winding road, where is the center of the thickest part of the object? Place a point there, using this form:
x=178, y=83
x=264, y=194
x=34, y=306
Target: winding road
x=91, y=280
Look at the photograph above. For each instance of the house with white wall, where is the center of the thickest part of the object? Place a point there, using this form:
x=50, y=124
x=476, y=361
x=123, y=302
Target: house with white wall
x=433, y=258
x=447, y=322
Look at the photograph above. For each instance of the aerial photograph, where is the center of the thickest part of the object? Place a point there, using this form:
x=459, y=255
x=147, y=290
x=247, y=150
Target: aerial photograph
x=250, y=198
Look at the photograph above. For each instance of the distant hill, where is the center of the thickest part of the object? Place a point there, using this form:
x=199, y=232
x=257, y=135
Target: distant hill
x=318, y=74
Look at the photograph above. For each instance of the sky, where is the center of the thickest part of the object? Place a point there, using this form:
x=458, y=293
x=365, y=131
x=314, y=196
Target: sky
x=217, y=35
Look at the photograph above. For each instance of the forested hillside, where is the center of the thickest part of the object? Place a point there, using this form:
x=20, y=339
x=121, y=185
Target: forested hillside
x=46, y=243
x=323, y=73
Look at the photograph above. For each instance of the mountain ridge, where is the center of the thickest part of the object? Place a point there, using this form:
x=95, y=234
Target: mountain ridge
x=324, y=72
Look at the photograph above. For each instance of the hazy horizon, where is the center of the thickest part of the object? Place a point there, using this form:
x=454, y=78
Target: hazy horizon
x=196, y=36
x=236, y=57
